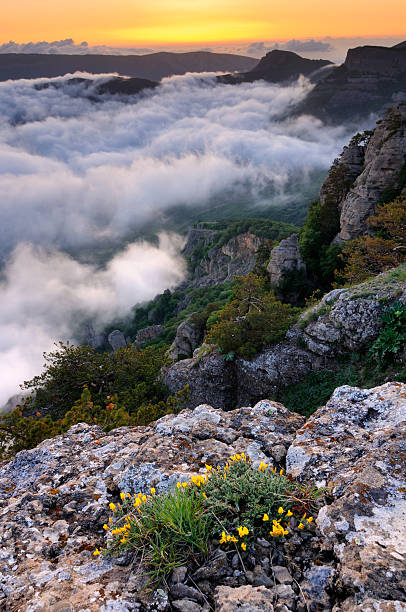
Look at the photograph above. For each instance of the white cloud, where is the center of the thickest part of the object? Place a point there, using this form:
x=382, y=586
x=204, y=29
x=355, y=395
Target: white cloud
x=47, y=294
x=75, y=173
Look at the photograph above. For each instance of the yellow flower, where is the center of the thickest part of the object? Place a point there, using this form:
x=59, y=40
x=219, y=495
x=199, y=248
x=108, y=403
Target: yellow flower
x=208, y=467
x=153, y=491
x=185, y=485
x=243, y=546
x=309, y=520
x=144, y=498
x=110, y=519
x=233, y=539
x=300, y=526
x=204, y=495
x=289, y=513
x=242, y=531
x=96, y=552
x=122, y=496
x=123, y=540
x=280, y=510
x=223, y=539
x=262, y=466
x=105, y=526
x=265, y=517
x=112, y=506
x=178, y=485
x=281, y=473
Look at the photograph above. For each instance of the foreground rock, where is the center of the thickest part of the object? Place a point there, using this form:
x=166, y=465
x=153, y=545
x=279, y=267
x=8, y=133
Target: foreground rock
x=345, y=320
x=356, y=446
x=53, y=502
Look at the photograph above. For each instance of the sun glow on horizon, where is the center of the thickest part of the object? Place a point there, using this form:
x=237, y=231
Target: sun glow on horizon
x=159, y=22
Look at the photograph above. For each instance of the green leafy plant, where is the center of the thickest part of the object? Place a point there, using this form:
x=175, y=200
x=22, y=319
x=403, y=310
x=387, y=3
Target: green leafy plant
x=391, y=339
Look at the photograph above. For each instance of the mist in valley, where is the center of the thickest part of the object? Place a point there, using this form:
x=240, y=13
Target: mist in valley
x=84, y=173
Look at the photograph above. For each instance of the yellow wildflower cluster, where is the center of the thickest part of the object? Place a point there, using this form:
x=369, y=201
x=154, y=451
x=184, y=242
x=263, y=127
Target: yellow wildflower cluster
x=226, y=537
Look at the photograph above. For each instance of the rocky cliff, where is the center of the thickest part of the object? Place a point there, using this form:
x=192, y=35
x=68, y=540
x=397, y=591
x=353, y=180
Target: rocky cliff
x=53, y=503
x=370, y=79
x=236, y=257
x=383, y=173
x=344, y=321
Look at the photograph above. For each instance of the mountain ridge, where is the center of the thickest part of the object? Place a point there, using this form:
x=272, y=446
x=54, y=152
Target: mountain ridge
x=153, y=66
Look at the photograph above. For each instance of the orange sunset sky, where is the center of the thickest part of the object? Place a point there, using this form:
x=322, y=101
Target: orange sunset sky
x=152, y=22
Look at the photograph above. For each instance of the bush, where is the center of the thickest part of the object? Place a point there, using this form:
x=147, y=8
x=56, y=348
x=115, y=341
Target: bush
x=131, y=374
x=234, y=505
x=369, y=255
x=252, y=320
x=392, y=337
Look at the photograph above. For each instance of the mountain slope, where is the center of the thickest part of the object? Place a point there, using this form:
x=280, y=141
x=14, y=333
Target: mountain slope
x=154, y=66
x=369, y=79
x=278, y=66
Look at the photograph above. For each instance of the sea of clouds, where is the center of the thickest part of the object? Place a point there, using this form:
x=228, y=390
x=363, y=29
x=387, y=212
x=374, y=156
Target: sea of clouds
x=75, y=173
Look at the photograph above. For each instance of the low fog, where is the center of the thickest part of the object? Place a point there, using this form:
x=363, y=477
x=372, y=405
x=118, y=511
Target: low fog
x=75, y=174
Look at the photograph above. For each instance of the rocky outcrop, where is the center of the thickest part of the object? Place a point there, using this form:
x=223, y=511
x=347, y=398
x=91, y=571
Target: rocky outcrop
x=189, y=336
x=344, y=171
x=344, y=321
x=148, y=333
x=285, y=258
x=117, y=340
x=236, y=257
x=370, y=79
x=355, y=445
x=276, y=67
x=207, y=375
x=53, y=502
x=383, y=174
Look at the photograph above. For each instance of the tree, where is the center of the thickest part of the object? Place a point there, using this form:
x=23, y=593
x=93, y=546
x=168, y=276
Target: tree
x=252, y=320
x=369, y=255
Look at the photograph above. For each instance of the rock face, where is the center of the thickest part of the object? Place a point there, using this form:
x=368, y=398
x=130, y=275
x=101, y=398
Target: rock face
x=53, y=502
x=370, y=79
x=384, y=172
x=189, y=336
x=344, y=321
x=148, y=333
x=342, y=174
x=235, y=258
x=117, y=340
x=356, y=446
x=285, y=258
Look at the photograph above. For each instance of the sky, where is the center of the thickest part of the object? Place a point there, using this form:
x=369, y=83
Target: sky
x=185, y=22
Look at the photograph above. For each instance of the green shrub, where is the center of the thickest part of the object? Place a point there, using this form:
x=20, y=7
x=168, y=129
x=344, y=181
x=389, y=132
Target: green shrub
x=392, y=337
x=252, y=320
x=132, y=374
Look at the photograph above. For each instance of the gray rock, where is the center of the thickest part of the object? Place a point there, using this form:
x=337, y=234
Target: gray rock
x=189, y=336
x=178, y=575
x=285, y=258
x=281, y=574
x=148, y=333
x=117, y=340
x=181, y=591
x=185, y=605
x=243, y=599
